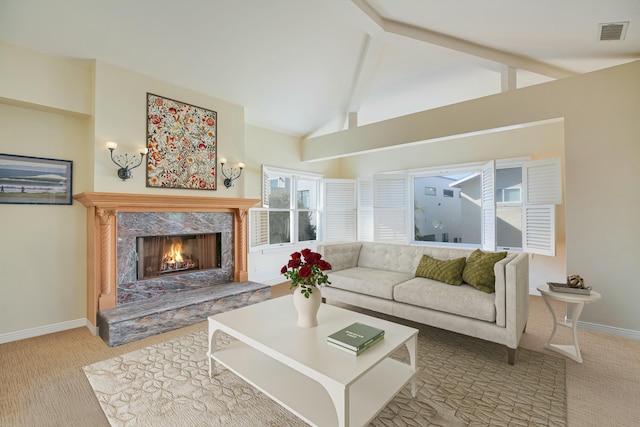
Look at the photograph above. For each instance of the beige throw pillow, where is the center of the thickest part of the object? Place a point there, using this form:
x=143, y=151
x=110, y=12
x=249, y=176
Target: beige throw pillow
x=444, y=271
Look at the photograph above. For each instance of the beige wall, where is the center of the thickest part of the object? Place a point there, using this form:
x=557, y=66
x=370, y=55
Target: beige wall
x=42, y=255
x=120, y=115
x=602, y=164
x=45, y=81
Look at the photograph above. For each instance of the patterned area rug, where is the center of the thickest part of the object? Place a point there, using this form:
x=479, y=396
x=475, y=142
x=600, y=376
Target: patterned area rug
x=462, y=381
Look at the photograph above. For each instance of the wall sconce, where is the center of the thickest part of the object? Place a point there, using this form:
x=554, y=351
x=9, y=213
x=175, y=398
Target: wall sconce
x=125, y=162
x=231, y=174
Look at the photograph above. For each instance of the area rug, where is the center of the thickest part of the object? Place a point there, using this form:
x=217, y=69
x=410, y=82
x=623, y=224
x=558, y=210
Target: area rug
x=462, y=381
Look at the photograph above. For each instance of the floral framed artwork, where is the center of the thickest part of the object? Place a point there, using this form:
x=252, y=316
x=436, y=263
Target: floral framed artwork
x=182, y=143
x=35, y=180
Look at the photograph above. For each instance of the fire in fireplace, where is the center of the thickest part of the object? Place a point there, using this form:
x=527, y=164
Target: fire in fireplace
x=161, y=255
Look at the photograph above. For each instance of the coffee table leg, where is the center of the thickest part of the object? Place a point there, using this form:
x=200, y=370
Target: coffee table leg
x=340, y=397
x=412, y=347
x=212, y=349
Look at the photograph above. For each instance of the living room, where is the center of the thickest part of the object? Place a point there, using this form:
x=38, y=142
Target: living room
x=63, y=108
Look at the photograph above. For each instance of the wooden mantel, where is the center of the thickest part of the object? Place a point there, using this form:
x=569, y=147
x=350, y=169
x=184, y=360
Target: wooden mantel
x=102, y=209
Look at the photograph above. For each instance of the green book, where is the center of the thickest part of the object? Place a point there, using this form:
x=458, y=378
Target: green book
x=355, y=336
x=353, y=352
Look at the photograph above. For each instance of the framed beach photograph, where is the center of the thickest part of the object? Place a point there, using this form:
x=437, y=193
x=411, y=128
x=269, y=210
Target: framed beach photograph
x=35, y=180
x=182, y=143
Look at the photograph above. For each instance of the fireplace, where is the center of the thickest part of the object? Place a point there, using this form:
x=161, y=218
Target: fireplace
x=177, y=254
x=111, y=242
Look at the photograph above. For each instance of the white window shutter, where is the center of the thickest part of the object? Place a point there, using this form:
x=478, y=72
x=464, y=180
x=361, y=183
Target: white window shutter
x=489, y=206
x=539, y=230
x=365, y=209
x=543, y=189
x=543, y=182
x=258, y=228
x=266, y=187
x=390, y=208
x=339, y=210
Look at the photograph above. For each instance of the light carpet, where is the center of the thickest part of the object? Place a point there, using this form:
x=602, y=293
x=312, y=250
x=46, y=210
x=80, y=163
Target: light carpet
x=461, y=381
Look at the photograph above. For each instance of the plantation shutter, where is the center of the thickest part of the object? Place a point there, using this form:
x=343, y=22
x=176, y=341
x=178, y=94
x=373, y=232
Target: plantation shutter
x=543, y=190
x=266, y=187
x=390, y=208
x=489, y=206
x=339, y=210
x=258, y=228
x=365, y=209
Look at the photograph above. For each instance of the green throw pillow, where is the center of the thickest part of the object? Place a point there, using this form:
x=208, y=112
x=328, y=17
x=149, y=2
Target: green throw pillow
x=444, y=271
x=479, y=270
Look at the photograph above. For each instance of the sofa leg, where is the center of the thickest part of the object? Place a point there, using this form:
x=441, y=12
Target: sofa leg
x=511, y=355
x=525, y=328
x=324, y=300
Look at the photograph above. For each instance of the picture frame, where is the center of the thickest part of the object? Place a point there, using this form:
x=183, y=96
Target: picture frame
x=182, y=144
x=35, y=180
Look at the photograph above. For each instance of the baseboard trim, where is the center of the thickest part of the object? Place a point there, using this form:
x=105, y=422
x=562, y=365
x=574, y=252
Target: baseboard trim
x=610, y=330
x=44, y=330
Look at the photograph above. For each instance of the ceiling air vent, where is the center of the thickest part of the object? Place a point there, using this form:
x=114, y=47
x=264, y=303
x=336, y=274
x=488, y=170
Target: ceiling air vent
x=612, y=31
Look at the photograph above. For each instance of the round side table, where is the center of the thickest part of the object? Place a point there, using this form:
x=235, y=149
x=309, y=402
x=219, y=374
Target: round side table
x=578, y=301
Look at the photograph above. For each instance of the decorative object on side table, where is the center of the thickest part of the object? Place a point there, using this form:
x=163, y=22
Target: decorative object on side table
x=306, y=270
x=574, y=285
x=575, y=281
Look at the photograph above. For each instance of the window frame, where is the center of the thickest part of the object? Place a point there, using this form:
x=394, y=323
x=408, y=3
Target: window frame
x=260, y=239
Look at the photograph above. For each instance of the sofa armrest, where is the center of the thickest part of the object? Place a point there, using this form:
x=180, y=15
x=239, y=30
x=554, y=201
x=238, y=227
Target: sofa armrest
x=341, y=255
x=517, y=297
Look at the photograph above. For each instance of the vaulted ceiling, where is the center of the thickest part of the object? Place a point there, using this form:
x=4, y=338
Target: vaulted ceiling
x=301, y=66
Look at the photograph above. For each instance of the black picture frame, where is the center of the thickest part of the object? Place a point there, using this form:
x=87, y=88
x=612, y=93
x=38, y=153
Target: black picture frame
x=28, y=180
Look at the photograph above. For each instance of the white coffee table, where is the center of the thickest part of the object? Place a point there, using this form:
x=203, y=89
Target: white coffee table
x=295, y=366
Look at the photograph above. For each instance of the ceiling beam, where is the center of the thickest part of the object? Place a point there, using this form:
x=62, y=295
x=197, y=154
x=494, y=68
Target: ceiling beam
x=460, y=45
x=365, y=72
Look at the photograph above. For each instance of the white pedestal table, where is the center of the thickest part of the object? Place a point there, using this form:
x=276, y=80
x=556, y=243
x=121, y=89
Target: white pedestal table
x=578, y=301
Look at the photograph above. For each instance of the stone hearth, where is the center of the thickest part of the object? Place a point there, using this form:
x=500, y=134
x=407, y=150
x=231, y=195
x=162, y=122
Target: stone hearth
x=130, y=322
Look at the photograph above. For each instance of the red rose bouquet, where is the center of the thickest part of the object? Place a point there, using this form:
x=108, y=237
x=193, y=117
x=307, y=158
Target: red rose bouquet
x=306, y=269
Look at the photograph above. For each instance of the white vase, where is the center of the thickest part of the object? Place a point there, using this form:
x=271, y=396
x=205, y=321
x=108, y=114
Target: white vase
x=307, y=308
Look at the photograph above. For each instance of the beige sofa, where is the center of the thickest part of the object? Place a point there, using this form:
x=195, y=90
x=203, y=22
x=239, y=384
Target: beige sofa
x=381, y=277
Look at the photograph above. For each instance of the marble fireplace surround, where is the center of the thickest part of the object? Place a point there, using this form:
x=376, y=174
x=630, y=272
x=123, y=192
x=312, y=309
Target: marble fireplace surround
x=102, y=236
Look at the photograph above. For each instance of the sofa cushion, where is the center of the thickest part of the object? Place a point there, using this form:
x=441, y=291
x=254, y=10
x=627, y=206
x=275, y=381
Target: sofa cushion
x=462, y=300
x=479, y=270
x=449, y=271
x=369, y=281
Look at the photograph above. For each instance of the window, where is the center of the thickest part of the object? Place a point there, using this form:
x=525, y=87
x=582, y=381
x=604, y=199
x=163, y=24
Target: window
x=291, y=209
x=510, y=206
